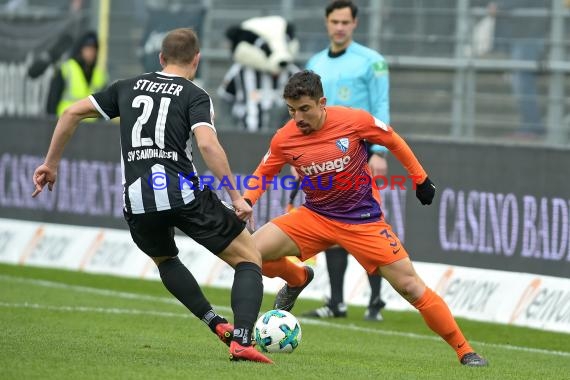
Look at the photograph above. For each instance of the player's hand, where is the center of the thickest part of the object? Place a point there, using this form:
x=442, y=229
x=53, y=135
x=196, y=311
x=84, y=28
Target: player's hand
x=425, y=192
x=243, y=209
x=43, y=175
x=251, y=222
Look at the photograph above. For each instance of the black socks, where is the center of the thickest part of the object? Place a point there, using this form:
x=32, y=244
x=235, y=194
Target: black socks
x=182, y=284
x=337, y=261
x=247, y=294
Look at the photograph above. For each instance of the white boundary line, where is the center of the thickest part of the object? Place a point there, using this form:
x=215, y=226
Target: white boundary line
x=142, y=297
x=88, y=289
x=88, y=309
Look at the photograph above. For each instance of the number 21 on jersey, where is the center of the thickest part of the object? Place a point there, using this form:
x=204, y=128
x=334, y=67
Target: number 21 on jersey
x=147, y=105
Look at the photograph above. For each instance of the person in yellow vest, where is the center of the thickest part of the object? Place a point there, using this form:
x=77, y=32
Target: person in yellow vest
x=77, y=77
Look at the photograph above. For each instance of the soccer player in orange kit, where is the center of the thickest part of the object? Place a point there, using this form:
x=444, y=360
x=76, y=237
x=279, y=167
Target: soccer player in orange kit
x=325, y=145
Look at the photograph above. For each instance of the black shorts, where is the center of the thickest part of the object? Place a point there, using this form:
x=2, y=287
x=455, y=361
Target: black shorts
x=205, y=219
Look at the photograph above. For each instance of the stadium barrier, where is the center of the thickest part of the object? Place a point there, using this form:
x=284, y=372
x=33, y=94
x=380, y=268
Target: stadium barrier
x=487, y=295
x=498, y=228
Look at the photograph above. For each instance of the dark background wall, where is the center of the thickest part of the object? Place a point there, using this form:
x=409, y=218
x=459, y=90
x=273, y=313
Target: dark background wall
x=499, y=207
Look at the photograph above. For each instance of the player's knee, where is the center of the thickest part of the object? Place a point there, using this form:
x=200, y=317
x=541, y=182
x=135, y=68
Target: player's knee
x=250, y=254
x=270, y=254
x=409, y=287
x=159, y=260
x=268, y=250
x=253, y=256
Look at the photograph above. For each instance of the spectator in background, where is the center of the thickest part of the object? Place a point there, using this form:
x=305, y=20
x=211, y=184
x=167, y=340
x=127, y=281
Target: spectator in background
x=523, y=36
x=263, y=51
x=77, y=77
x=56, y=44
x=353, y=76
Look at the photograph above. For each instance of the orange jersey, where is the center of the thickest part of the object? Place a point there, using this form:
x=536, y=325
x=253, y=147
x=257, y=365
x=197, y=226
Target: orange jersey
x=332, y=163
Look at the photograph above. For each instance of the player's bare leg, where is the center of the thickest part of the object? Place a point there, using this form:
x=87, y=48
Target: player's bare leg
x=404, y=279
x=275, y=245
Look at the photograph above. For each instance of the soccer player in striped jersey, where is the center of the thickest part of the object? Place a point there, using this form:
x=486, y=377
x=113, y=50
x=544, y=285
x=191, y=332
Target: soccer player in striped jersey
x=160, y=112
x=325, y=145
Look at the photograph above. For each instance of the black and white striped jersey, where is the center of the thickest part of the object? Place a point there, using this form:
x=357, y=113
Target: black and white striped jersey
x=158, y=112
x=256, y=96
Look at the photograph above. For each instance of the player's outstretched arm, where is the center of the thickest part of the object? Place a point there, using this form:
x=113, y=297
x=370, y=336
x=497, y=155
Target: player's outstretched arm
x=425, y=189
x=217, y=161
x=46, y=174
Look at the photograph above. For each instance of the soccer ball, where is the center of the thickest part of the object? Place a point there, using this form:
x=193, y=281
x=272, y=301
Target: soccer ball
x=277, y=331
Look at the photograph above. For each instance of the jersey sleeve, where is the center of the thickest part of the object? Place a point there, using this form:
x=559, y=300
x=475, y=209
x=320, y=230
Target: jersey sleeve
x=201, y=111
x=267, y=169
x=107, y=101
x=379, y=89
x=377, y=132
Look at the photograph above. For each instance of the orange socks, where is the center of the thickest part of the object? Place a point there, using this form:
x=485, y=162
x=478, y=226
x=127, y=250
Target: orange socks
x=292, y=273
x=438, y=317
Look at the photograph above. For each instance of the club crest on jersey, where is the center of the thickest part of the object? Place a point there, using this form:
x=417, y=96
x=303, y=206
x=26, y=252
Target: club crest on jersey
x=342, y=144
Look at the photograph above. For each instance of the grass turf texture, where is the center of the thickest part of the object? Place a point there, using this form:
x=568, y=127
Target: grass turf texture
x=60, y=324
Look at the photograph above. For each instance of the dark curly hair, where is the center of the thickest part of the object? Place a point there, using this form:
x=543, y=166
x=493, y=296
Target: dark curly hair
x=304, y=83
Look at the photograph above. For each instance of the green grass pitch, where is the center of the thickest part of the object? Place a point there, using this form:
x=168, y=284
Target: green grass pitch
x=58, y=324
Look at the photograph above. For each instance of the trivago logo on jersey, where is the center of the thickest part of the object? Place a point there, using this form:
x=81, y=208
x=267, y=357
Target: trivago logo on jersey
x=336, y=165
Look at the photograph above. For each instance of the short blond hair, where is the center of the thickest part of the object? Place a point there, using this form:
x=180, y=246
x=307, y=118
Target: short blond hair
x=180, y=46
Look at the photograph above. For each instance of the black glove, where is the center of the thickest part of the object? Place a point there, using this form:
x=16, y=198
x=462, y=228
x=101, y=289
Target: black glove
x=425, y=192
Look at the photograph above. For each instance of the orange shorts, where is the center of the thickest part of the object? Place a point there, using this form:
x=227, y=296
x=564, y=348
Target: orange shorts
x=372, y=244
